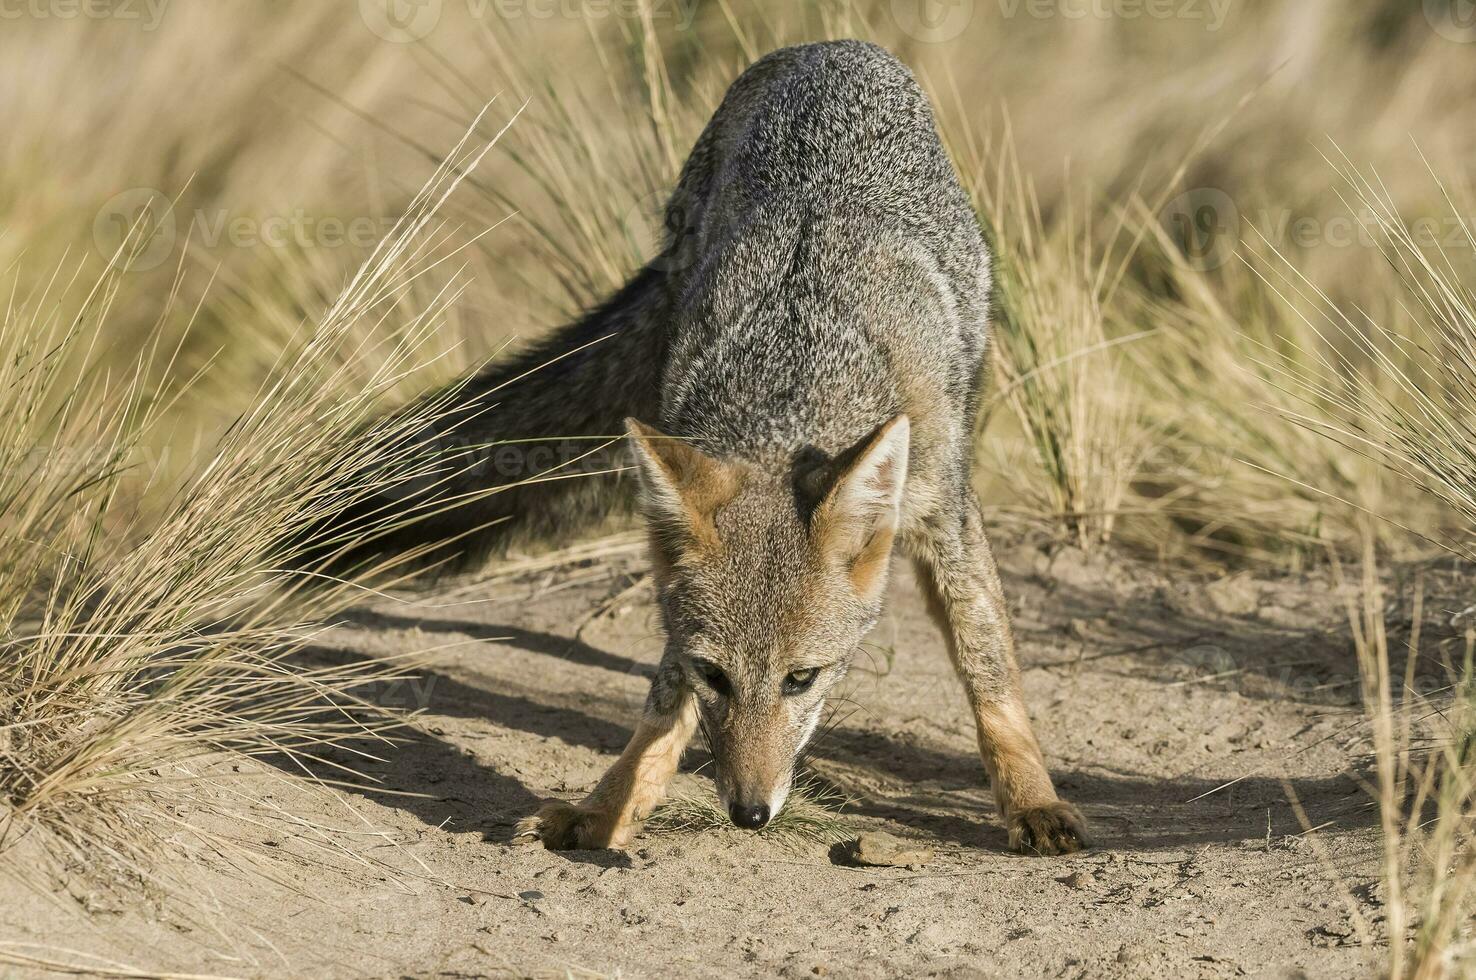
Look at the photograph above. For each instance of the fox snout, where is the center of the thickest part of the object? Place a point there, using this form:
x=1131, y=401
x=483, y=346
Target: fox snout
x=749, y=817
x=754, y=810
x=755, y=784
x=754, y=754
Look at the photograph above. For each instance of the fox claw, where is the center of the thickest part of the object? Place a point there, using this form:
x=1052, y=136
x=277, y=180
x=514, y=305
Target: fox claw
x=566, y=827
x=1056, y=828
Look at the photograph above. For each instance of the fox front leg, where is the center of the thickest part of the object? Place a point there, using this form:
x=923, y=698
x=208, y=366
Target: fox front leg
x=957, y=569
x=610, y=816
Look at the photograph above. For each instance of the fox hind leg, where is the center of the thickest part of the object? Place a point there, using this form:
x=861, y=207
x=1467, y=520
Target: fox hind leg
x=611, y=814
x=958, y=573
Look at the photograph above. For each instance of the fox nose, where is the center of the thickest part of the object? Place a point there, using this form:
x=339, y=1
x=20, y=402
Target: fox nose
x=749, y=817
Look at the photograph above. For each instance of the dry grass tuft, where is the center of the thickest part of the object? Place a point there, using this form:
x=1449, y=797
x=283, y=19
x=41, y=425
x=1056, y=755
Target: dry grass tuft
x=1396, y=390
x=811, y=815
x=148, y=628
x=1424, y=782
x=1397, y=387
x=1059, y=370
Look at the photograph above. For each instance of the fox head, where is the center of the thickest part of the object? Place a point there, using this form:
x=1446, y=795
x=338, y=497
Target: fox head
x=768, y=580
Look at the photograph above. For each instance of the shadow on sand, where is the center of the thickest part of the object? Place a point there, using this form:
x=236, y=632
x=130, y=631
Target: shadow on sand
x=440, y=782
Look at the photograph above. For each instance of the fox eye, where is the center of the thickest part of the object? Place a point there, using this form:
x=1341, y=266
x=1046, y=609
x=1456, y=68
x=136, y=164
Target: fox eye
x=800, y=680
x=713, y=675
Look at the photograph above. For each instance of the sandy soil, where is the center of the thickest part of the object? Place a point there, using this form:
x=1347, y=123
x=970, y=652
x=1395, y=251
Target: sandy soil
x=1178, y=713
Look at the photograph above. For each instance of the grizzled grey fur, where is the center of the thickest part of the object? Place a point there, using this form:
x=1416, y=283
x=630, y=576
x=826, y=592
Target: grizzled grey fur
x=815, y=329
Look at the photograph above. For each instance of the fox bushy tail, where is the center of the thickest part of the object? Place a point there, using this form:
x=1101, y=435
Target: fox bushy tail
x=528, y=446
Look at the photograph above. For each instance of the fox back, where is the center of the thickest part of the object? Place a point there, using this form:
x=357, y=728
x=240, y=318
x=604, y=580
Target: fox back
x=828, y=301
x=829, y=268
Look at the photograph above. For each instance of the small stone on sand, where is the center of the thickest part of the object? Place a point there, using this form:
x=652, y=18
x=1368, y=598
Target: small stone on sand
x=879, y=850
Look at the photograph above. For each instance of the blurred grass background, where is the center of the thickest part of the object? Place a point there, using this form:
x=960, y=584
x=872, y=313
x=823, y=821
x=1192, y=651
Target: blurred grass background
x=1149, y=170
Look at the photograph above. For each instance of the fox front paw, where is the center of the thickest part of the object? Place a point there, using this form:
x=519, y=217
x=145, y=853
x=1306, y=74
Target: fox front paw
x=566, y=827
x=1056, y=828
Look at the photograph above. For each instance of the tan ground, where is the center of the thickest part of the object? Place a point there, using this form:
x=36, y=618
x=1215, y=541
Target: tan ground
x=1177, y=713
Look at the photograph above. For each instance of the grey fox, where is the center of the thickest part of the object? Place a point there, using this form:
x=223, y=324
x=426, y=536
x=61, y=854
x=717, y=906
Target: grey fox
x=798, y=374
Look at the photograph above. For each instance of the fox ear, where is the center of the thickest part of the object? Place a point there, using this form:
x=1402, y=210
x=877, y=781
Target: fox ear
x=681, y=488
x=859, y=515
